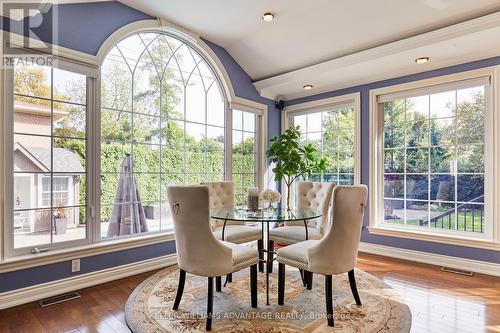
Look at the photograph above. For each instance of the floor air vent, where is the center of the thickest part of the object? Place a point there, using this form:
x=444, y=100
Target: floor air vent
x=58, y=299
x=457, y=271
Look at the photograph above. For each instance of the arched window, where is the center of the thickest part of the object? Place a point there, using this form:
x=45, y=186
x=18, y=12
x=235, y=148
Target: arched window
x=162, y=123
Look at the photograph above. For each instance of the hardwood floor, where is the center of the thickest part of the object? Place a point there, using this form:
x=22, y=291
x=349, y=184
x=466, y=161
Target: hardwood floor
x=440, y=302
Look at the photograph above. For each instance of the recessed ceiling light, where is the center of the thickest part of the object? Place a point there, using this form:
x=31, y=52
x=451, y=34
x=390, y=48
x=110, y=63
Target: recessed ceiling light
x=422, y=60
x=308, y=87
x=268, y=17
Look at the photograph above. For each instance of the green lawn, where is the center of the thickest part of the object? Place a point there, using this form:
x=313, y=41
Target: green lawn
x=465, y=221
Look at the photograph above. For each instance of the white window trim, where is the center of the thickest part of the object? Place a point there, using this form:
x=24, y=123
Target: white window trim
x=7, y=210
x=319, y=105
x=260, y=110
x=492, y=240
x=91, y=62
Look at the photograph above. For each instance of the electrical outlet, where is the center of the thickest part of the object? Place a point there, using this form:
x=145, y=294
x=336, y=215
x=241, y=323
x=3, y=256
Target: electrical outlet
x=75, y=265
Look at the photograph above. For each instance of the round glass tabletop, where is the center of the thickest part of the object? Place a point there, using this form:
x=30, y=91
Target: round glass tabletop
x=264, y=215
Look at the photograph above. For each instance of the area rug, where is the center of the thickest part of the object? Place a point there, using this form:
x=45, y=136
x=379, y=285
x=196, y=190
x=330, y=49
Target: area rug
x=149, y=308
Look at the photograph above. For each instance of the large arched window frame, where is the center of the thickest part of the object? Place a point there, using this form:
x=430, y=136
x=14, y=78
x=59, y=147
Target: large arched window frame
x=163, y=106
x=90, y=66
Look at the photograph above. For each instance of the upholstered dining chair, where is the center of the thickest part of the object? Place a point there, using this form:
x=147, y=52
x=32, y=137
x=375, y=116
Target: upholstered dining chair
x=222, y=196
x=315, y=195
x=336, y=252
x=198, y=251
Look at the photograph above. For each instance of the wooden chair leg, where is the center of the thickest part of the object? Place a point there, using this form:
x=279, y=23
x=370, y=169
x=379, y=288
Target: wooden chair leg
x=354, y=289
x=329, y=300
x=303, y=277
x=210, y=303
x=260, y=247
x=218, y=283
x=180, y=289
x=253, y=285
x=281, y=284
x=230, y=278
x=270, y=255
x=309, y=280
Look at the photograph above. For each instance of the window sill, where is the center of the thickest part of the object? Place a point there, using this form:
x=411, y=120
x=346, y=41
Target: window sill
x=51, y=257
x=444, y=239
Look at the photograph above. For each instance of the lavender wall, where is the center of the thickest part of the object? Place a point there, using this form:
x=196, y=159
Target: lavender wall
x=364, y=90
x=81, y=26
x=243, y=87
x=84, y=27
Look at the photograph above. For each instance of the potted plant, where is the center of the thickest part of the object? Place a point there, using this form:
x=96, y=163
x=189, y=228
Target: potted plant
x=60, y=220
x=293, y=159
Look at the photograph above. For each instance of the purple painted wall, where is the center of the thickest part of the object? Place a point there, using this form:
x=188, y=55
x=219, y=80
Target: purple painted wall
x=84, y=27
x=243, y=87
x=364, y=90
x=42, y=274
x=81, y=26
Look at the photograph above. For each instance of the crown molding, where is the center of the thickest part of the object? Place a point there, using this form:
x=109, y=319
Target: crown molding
x=270, y=87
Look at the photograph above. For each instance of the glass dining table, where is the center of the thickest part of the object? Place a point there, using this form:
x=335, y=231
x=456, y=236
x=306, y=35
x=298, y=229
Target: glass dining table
x=265, y=217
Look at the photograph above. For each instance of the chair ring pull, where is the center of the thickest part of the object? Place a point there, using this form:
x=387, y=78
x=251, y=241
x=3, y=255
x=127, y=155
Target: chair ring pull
x=175, y=208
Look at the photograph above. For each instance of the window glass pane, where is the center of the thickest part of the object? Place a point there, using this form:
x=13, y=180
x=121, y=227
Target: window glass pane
x=394, y=211
x=215, y=137
x=249, y=122
x=394, y=160
x=470, y=188
x=394, y=186
x=417, y=160
x=68, y=87
x=69, y=224
x=314, y=122
x=442, y=159
x=32, y=80
x=237, y=120
x=50, y=157
x=155, y=130
x=244, y=155
x=417, y=187
x=439, y=177
x=418, y=108
x=32, y=115
x=443, y=104
x=215, y=106
x=470, y=159
x=32, y=228
x=300, y=121
x=394, y=124
x=443, y=187
x=116, y=125
x=332, y=133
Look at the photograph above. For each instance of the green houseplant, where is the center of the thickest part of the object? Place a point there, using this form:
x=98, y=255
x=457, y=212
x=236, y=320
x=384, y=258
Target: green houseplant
x=293, y=159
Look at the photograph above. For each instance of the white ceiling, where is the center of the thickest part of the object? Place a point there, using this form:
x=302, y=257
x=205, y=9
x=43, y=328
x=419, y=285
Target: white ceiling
x=306, y=33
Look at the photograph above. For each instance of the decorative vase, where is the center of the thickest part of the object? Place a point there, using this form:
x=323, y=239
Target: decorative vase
x=253, y=199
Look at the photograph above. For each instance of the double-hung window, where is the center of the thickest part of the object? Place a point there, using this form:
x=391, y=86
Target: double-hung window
x=332, y=126
x=434, y=151
x=48, y=159
x=246, y=142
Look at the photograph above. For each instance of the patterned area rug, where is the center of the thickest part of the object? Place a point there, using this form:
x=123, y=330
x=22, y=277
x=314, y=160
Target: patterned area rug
x=149, y=308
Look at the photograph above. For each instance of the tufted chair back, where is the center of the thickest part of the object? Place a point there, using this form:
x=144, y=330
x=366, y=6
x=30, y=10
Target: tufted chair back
x=198, y=251
x=318, y=196
x=221, y=196
x=337, y=251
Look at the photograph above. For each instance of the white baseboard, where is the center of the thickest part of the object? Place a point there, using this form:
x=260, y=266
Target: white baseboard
x=476, y=266
x=33, y=293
